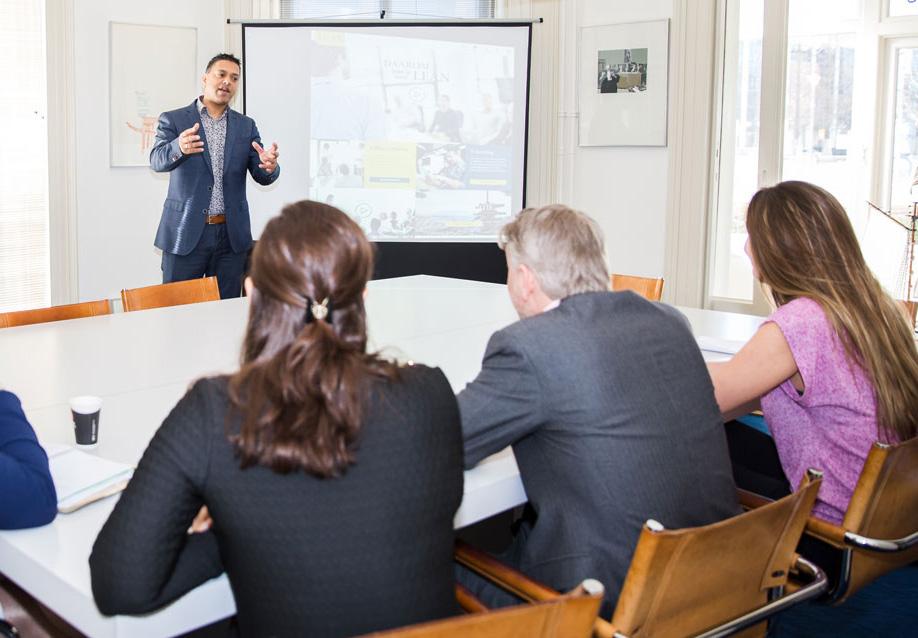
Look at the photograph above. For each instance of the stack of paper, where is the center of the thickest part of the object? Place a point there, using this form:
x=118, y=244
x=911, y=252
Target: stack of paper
x=82, y=478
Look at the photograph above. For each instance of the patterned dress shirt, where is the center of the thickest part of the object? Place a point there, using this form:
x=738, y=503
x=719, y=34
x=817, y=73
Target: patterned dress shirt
x=215, y=134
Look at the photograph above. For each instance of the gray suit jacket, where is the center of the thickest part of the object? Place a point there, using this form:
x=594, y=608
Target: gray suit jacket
x=611, y=413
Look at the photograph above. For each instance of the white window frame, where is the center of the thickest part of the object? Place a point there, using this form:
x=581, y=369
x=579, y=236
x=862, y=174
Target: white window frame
x=62, y=213
x=880, y=38
x=771, y=134
x=886, y=116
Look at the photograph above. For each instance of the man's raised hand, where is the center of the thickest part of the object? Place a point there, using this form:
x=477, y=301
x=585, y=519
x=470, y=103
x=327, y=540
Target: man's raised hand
x=267, y=156
x=190, y=142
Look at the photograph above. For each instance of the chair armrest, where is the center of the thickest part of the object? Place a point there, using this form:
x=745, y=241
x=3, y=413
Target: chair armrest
x=467, y=600
x=750, y=500
x=519, y=585
x=505, y=577
x=815, y=587
x=826, y=532
x=881, y=545
x=604, y=629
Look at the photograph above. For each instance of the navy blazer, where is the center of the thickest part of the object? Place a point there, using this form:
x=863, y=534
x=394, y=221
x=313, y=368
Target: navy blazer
x=192, y=180
x=27, y=496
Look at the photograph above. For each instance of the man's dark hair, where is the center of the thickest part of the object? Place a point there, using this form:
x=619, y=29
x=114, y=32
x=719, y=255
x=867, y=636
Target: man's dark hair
x=229, y=57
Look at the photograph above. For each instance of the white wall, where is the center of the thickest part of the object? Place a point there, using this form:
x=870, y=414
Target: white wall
x=118, y=209
x=624, y=188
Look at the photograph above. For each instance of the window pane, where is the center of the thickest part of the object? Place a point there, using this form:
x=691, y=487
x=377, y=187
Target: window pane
x=738, y=180
x=905, y=131
x=903, y=8
x=885, y=244
x=24, y=259
x=364, y=9
x=818, y=142
x=814, y=16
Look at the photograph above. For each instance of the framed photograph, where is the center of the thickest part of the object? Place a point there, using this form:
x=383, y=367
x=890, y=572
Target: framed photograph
x=143, y=85
x=623, y=84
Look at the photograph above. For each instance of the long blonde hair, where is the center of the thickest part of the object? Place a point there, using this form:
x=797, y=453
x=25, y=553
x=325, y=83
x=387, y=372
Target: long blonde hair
x=804, y=246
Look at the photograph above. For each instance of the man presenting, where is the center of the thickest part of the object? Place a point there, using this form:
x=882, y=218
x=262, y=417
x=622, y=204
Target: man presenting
x=607, y=403
x=208, y=147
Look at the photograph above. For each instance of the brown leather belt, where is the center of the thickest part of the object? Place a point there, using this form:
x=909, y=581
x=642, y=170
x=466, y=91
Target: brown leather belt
x=216, y=219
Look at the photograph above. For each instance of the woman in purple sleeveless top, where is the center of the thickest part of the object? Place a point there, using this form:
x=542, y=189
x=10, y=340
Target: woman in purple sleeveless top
x=833, y=369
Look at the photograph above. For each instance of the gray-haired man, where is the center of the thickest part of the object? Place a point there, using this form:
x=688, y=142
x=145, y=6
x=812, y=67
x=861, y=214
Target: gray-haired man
x=607, y=403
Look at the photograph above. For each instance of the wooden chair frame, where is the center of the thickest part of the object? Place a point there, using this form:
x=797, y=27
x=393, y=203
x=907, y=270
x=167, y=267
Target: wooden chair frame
x=172, y=294
x=648, y=287
x=863, y=555
x=55, y=313
x=568, y=616
x=799, y=505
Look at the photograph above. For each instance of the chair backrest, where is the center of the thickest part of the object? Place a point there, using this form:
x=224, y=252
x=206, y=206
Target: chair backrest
x=645, y=286
x=174, y=294
x=683, y=582
x=884, y=505
x=911, y=308
x=564, y=617
x=55, y=313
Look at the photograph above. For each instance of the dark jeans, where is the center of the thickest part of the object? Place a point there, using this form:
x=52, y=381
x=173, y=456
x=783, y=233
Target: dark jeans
x=212, y=256
x=756, y=466
x=497, y=536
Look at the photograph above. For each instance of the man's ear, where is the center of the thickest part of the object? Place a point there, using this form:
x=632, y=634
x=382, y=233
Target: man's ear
x=249, y=286
x=529, y=280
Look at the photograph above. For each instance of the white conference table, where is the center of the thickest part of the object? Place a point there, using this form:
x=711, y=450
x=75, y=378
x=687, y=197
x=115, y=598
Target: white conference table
x=141, y=363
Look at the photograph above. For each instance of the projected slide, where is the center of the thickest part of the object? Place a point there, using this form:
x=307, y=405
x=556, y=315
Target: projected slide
x=419, y=138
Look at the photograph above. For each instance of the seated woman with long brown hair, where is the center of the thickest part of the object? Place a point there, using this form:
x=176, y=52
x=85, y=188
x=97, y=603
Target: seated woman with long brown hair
x=331, y=475
x=834, y=368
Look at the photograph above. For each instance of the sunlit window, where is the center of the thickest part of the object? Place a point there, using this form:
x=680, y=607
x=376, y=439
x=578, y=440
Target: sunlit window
x=738, y=162
x=24, y=259
x=365, y=9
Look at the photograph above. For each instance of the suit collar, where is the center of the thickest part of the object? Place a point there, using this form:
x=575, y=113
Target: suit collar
x=232, y=118
x=199, y=106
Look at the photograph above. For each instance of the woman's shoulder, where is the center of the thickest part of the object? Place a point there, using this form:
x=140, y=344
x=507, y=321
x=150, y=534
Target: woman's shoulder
x=417, y=390
x=203, y=406
x=418, y=379
x=209, y=392
x=10, y=405
x=800, y=307
x=802, y=315
x=216, y=386
x=417, y=408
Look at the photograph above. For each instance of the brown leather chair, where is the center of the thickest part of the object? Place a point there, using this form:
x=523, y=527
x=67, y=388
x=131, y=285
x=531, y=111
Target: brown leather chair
x=561, y=617
x=175, y=294
x=55, y=313
x=645, y=286
x=719, y=579
x=911, y=309
x=880, y=530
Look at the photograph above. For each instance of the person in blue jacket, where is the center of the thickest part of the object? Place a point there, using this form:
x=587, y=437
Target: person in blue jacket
x=27, y=496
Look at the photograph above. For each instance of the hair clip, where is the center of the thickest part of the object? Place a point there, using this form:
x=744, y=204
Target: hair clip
x=318, y=310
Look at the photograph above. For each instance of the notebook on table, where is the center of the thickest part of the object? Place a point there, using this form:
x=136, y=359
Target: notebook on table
x=81, y=478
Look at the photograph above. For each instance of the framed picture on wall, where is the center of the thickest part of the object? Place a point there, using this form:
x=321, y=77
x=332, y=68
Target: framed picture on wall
x=623, y=80
x=151, y=69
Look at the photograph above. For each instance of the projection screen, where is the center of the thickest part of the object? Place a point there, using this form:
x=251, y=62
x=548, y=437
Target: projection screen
x=418, y=131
